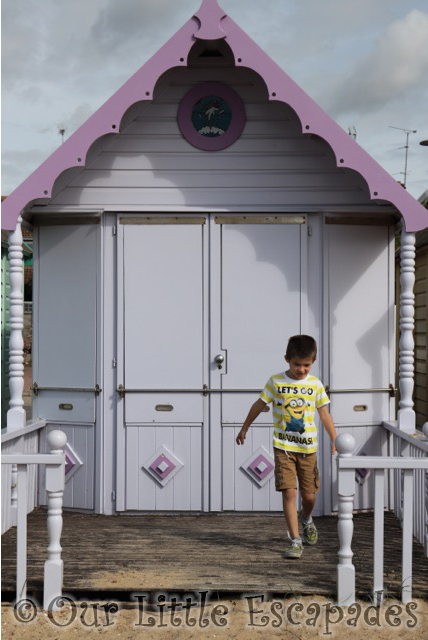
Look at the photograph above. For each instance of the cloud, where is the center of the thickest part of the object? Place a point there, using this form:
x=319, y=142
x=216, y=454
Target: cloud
x=398, y=64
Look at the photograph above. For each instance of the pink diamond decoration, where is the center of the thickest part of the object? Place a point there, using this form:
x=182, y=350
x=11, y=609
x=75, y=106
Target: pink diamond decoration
x=162, y=466
x=69, y=463
x=261, y=466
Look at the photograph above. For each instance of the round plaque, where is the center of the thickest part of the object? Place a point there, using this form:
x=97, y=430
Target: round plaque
x=211, y=116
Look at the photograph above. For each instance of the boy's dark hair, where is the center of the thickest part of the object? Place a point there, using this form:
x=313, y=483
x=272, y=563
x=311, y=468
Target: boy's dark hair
x=301, y=347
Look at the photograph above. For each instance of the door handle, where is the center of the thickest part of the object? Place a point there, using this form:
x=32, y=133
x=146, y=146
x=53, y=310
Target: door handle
x=219, y=359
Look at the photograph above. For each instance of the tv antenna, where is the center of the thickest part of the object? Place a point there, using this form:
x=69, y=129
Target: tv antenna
x=406, y=147
x=61, y=132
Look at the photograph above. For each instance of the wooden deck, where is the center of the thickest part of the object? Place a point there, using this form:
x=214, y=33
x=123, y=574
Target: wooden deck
x=225, y=553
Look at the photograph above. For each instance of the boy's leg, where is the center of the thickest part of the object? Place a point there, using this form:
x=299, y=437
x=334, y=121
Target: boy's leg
x=307, y=471
x=308, y=503
x=286, y=482
x=290, y=512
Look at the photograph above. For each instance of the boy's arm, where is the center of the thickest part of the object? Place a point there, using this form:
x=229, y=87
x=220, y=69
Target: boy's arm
x=255, y=410
x=327, y=421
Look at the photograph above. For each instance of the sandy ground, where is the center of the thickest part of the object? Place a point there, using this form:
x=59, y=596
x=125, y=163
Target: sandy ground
x=246, y=617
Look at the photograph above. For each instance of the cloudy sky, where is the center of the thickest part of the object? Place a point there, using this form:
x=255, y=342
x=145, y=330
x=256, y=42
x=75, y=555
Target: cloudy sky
x=365, y=62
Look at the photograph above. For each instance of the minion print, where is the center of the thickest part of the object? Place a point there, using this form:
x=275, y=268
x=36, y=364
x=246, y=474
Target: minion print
x=294, y=411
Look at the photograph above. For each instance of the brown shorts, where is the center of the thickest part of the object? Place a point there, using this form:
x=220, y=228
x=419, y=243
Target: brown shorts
x=291, y=465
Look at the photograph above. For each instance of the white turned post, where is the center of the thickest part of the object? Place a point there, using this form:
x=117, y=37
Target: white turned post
x=16, y=417
x=406, y=414
x=345, y=445
x=55, y=482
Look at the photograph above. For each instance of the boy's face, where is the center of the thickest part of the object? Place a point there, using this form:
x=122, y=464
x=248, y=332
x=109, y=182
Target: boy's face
x=299, y=367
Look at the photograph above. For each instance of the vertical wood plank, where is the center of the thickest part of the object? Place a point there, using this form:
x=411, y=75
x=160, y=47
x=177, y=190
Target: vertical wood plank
x=229, y=462
x=406, y=577
x=378, y=537
x=21, y=556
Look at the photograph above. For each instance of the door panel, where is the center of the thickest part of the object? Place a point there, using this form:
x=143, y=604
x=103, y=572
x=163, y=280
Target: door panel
x=163, y=324
x=359, y=322
x=260, y=305
x=257, y=296
x=67, y=256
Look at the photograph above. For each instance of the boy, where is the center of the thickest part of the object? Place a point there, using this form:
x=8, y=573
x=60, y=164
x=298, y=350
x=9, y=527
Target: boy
x=295, y=395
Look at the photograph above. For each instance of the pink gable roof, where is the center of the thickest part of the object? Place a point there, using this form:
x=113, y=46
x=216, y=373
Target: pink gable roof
x=212, y=23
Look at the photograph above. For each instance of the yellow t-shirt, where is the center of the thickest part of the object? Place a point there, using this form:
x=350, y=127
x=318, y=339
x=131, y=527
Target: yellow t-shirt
x=293, y=408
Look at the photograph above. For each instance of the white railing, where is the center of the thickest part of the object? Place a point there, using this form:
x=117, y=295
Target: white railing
x=346, y=465
x=399, y=443
x=55, y=482
x=24, y=440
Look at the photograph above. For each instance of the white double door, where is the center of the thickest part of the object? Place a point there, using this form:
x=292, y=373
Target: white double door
x=205, y=307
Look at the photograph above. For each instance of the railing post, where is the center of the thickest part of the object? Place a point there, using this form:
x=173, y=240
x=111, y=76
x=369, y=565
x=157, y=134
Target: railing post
x=16, y=416
x=55, y=482
x=406, y=413
x=345, y=445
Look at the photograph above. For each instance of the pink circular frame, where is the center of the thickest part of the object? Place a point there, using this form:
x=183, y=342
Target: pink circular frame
x=185, y=110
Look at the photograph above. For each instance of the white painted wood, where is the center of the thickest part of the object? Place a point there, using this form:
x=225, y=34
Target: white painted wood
x=30, y=427
x=378, y=537
x=16, y=416
x=406, y=413
x=118, y=402
x=107, y=417
x=21, y=441
x=406, y=578
x=220, y=161
x=55, y=487
x=150, y=141
x=216, y=477
x=417, y=448
x=368, y=442
x=261, y=307
x=79, y=491
x=345, y=445
x=304, y=179
x=226, y=198
x=359, y=350
x=377, y=462
x=164, y=339
x=184, y=491
x=53, y=569
x=408, y=461
x=21, y=547
x=67, y=316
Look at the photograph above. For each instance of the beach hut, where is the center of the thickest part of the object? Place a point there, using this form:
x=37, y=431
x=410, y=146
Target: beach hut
x=206, y=212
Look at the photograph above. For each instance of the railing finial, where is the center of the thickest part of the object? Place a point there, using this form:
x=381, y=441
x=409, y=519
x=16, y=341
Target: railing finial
x=345, y=444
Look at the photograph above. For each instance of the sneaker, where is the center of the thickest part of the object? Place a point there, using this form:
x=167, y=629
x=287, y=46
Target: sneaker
x=294, y=549
x=310, y=533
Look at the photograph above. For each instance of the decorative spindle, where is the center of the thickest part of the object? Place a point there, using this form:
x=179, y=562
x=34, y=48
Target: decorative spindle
x=16, y=417
x=345, y=445
x=55, y=482
x=406, y=414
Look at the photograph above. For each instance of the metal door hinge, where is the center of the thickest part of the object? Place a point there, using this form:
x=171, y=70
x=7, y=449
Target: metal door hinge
x=114, y=363
x=114, y=230
x=113, y=495
x=309, y=230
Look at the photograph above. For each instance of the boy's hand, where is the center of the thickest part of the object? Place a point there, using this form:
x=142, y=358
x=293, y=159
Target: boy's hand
x=240, y=438
x=333, y=448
